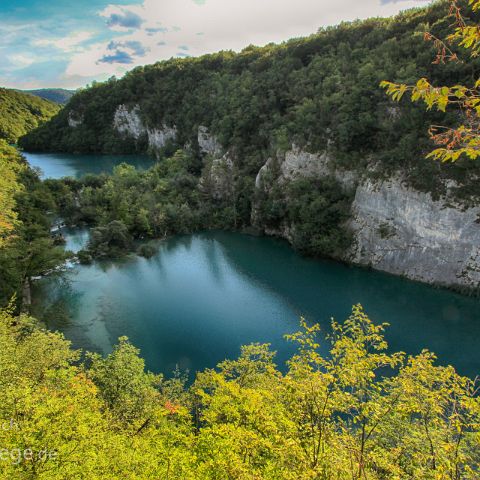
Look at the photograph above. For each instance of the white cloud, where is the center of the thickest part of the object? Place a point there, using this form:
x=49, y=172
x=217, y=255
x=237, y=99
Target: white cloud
x=68, y=44
x=163, y=27
x=21, y=60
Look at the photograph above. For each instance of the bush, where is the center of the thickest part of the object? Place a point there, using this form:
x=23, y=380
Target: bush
x=147, y=250
x=84, y=257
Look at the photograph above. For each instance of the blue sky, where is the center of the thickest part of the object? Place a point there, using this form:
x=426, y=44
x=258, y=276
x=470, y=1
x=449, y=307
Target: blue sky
x=68, y=43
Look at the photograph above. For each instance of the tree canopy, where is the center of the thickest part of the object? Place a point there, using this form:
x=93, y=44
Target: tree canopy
x=359, y=412
x=464, y=139
x=319, y=93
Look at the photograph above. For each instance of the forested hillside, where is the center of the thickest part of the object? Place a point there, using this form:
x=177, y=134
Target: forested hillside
x=230, y=131
x=26, y=246
x=296, y=140
x=319, y=93
x=22, y=112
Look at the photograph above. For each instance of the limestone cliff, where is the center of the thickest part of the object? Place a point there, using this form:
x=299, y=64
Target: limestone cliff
x=405, y=232
x=129, y=122
x=217, y=178
x=395, y=228
x=208, y=143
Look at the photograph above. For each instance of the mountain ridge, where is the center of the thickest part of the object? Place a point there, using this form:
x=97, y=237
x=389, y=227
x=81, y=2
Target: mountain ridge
x=57, y=95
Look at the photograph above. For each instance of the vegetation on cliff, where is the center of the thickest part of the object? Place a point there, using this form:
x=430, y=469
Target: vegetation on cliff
x=10, y=167
x=463, y=139
x=21, y=112
x=353, y=413
x=170, y=198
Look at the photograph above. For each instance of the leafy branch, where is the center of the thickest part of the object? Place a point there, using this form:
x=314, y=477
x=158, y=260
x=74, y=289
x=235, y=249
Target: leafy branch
x=463, y=140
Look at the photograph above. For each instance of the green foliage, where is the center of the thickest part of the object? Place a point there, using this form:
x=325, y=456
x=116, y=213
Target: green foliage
x=21, y=113
x=132, y=204
x=128, y=392
x=462, y=140
x=147, y=250
x=319, y=92
x=318, y=211
x=10, y=167
x=312, y=212
x=359, y=412
x=112, y=240
x=26, y=246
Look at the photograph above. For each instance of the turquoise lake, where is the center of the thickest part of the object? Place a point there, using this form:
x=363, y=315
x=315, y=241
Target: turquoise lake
x=58, y=165
x=204, y=295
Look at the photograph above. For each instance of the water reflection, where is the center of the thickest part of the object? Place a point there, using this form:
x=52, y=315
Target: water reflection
x=203, y=296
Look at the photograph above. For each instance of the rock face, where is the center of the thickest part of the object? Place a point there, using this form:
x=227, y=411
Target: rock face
x=158, y=137
x=74, y=120
x=405, y=232
x=129, y=122
x=289, y=166
x=396, y=229
x=298, y=163
x=218, y=173
x=209, y=145
x=217, y=178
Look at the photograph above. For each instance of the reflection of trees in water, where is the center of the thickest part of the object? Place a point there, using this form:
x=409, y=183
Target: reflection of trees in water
x=173, y=243
x=58, y=303
x=214, y=255
x=107, y=264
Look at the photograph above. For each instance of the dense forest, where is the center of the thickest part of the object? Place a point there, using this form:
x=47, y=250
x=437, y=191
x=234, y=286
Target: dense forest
x=169, y=198
x=21, y=112
x=361, y=412
x=26, y=246
x=320, y=93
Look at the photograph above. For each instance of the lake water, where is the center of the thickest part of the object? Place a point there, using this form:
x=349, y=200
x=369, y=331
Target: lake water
x=204, y=295
x=59, y=165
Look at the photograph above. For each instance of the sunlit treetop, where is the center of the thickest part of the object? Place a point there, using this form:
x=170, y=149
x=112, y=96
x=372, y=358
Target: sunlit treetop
x=10, y=166
x=463, y=140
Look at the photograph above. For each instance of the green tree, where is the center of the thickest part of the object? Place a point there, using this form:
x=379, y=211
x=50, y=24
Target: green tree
x=463, y=139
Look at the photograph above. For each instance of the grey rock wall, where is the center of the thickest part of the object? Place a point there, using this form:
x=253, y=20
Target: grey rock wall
x=405, y=232
x=396, y=228
x=129, y=122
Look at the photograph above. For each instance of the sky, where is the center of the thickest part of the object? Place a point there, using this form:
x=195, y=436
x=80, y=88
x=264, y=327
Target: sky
x=69, y=43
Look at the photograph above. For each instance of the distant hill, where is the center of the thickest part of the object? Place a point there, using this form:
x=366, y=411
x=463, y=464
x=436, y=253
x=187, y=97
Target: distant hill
x=21, y=112
x=57, y=95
